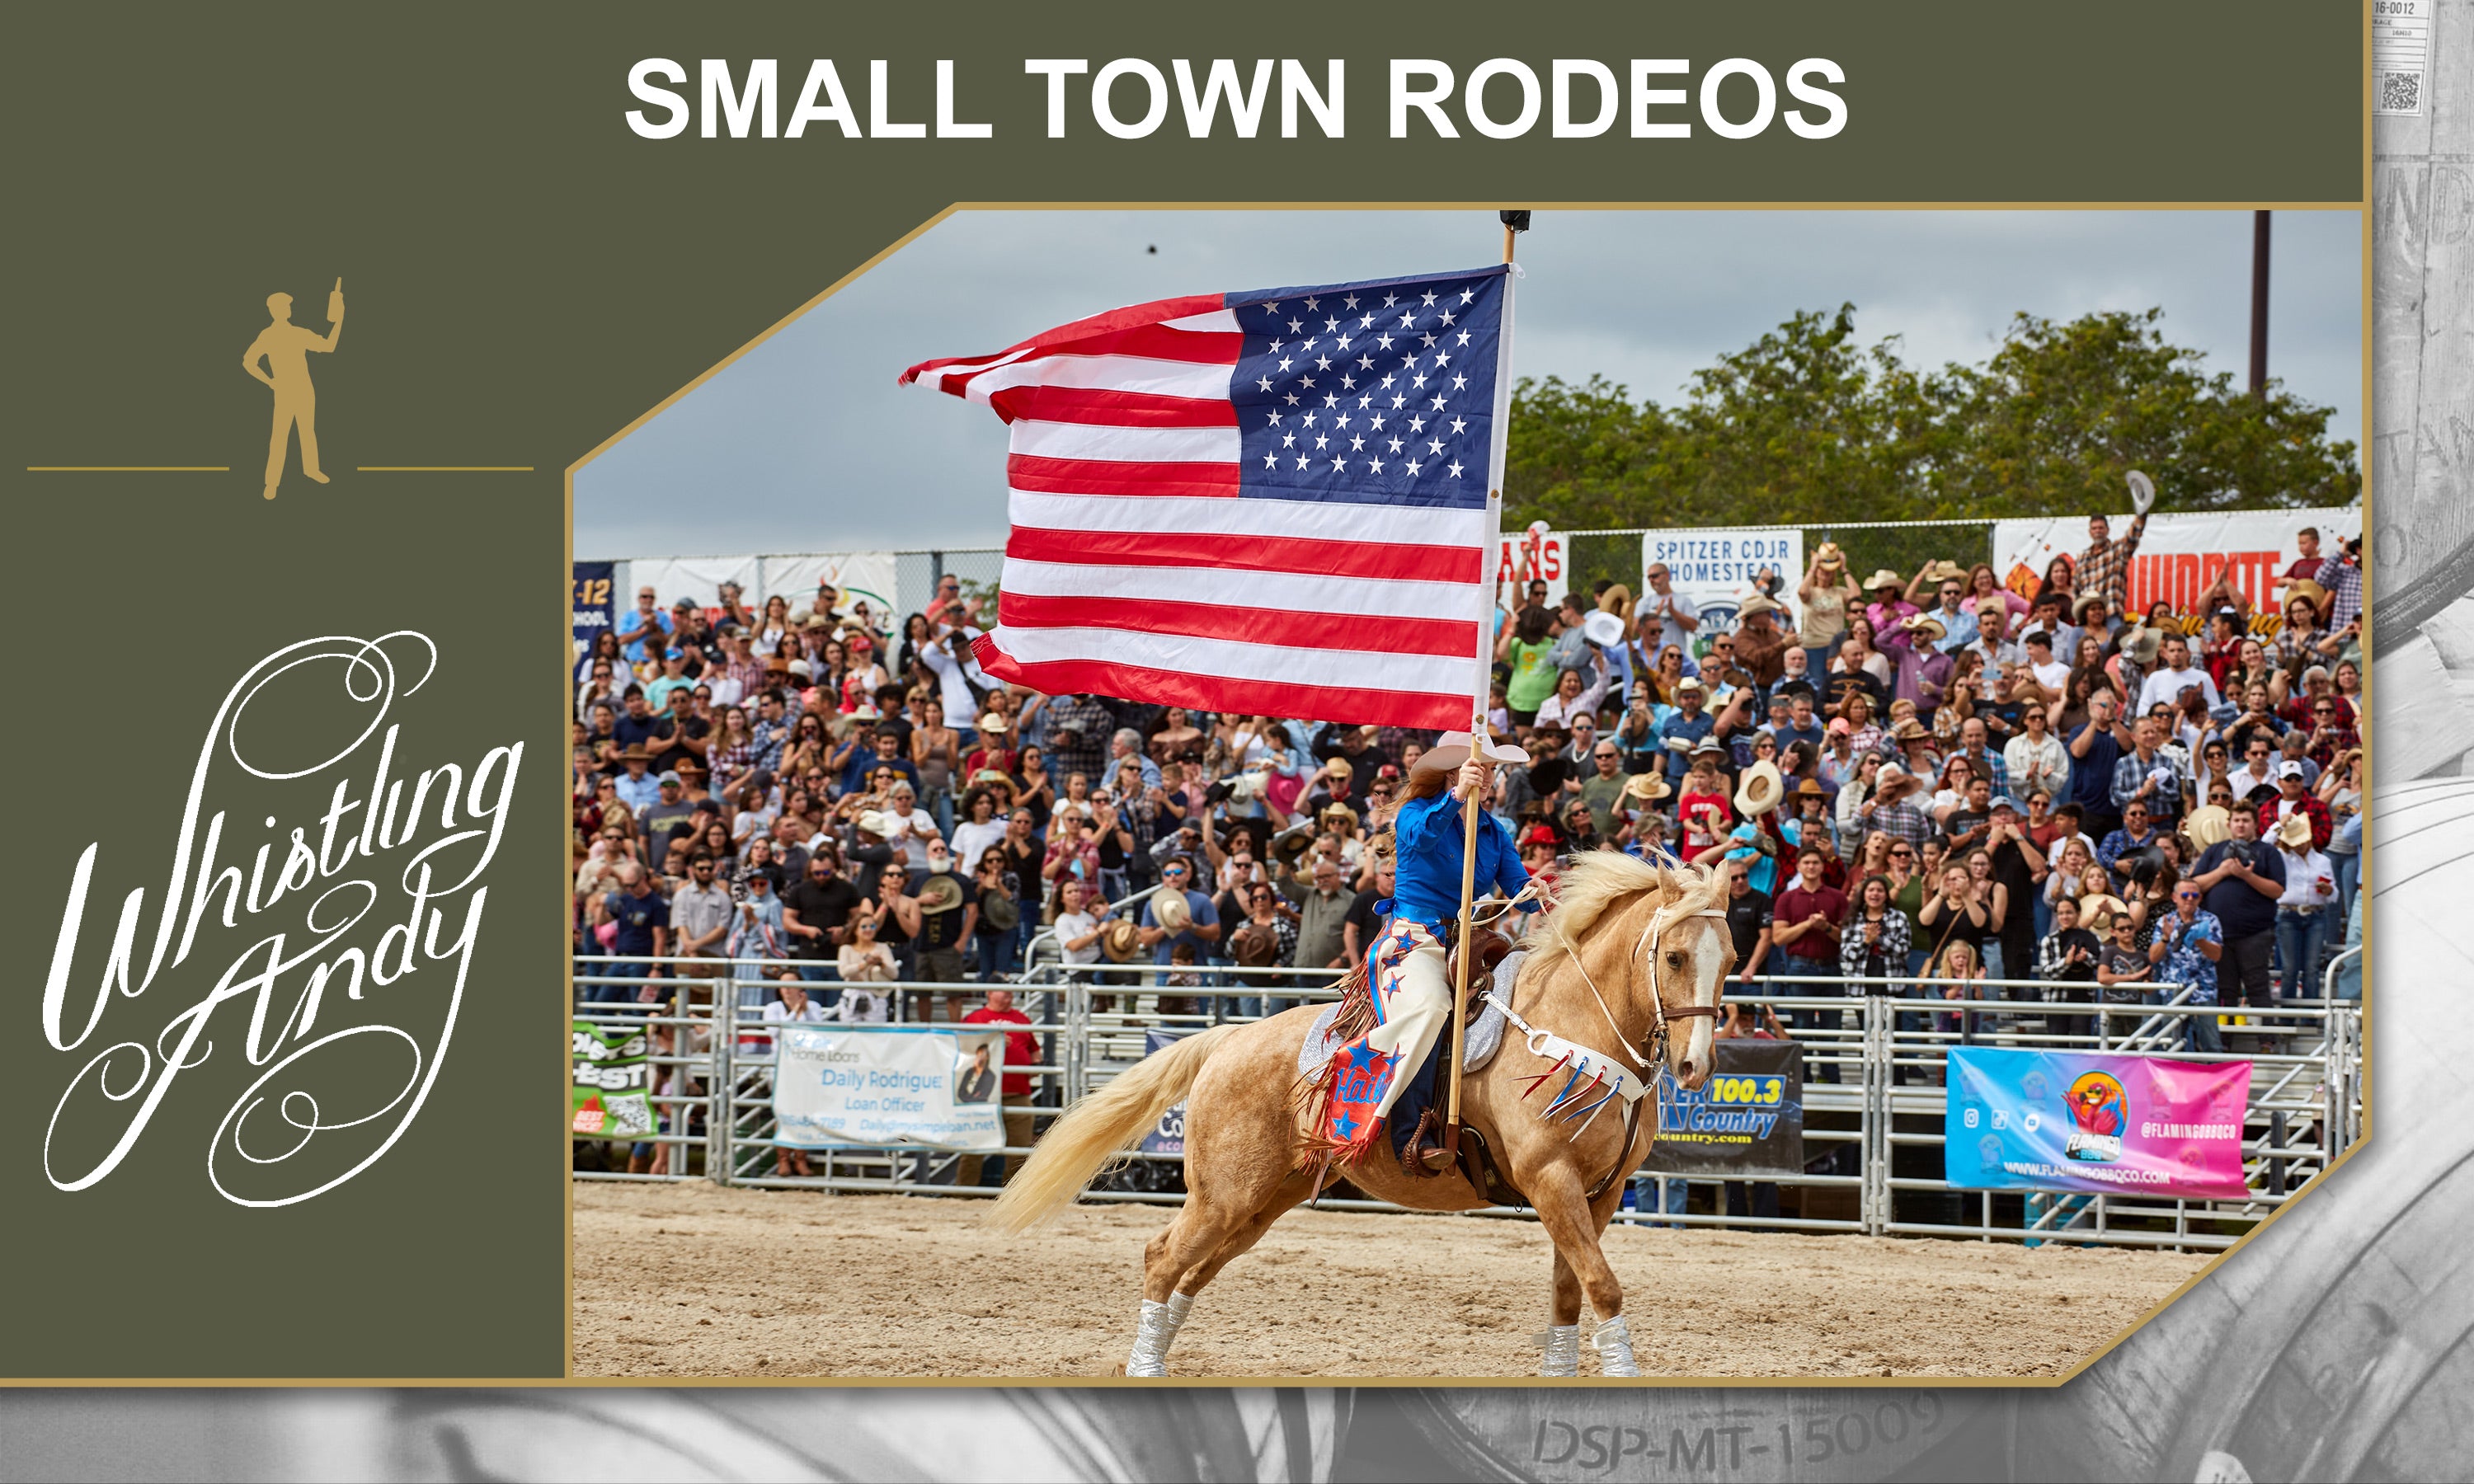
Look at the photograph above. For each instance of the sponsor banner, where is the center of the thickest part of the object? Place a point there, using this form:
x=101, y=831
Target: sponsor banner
x=859, y=576
x=588, y=593
x=876, y=1086
x=1535, y=554
x=2181, y=557
x=1168, y=1135
x=613, y=1082
x=2073, y=1121
x=1747, y=1119
x=1715, y=567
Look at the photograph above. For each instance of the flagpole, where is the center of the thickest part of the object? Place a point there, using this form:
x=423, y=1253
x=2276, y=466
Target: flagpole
x=1514, y=224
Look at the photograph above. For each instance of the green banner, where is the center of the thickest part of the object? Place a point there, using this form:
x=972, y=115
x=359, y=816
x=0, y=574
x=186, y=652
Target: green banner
x=613, y=1086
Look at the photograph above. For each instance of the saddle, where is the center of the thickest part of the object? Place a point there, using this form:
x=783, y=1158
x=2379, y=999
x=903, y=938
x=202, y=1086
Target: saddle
x=1356, y=1014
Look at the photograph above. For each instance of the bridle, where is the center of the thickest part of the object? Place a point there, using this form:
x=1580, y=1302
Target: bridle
x=1665, y=917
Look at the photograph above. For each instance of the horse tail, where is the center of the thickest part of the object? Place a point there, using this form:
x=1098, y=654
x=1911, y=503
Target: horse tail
x=1099, y=1128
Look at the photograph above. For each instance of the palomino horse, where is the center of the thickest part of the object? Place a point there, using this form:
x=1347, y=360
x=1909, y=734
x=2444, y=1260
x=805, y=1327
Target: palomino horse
x=1629, y=953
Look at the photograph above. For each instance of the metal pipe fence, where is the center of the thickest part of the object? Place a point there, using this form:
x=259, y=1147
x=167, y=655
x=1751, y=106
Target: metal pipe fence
x=1874, y=1062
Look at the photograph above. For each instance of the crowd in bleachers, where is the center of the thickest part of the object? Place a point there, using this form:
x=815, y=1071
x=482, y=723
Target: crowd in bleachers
x=1931, y=776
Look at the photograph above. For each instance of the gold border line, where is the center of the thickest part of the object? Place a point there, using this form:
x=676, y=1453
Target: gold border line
x=568, y=1377
x=128, y=468
x=2215, y=1260
x=1661, y=206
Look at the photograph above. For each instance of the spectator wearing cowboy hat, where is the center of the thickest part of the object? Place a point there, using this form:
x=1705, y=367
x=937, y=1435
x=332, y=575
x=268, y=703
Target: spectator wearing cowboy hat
x=1686, y=729
x=1956, y=621
x=1178, y=913
x=1759, y=792
x=949, y=913
x=1828, y=594
x=2305, y=910
x=2149, y=775
x=1641, y=795
x=1932, y=664
x=637, y=789
x=2093, y=614
x=1890, y=608
x=2291, y=798
x=1761, y=643
x=1892, y=808
x=995, y=749
x=2103, y=569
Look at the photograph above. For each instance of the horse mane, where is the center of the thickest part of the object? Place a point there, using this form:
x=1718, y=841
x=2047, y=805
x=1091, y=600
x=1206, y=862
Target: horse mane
x=1596, y=883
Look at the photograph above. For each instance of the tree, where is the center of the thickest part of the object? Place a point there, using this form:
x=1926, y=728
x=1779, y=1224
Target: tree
x=1806, y=426
x=2051, y=422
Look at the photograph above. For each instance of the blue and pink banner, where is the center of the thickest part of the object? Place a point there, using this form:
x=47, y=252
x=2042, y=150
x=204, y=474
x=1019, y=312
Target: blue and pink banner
x=2077, y=1120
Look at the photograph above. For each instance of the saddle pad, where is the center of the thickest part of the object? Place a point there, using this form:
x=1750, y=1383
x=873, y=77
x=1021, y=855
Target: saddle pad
x=1485, y=1032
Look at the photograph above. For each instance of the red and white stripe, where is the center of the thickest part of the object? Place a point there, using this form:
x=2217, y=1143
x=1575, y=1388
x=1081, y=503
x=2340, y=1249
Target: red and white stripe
x=1134, y=569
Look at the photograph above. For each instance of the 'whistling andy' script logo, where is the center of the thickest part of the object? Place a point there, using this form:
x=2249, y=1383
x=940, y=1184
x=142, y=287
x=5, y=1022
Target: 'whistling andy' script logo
x=381, y=882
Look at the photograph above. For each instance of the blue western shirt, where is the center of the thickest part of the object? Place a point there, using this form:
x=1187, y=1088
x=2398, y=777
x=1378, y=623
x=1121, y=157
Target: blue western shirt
x=1426, y=875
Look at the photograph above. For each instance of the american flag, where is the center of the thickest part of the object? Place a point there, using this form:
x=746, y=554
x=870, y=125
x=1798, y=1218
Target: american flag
x=1269, y=503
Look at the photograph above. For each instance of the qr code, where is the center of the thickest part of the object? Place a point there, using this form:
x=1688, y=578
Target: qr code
x=2400, y=92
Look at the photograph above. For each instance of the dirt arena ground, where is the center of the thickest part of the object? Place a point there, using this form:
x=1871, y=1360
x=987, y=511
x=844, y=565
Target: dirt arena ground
x=697, y=1279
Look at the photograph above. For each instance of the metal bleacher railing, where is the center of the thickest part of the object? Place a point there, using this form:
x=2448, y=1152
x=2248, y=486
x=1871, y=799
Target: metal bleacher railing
x=1874, y=1065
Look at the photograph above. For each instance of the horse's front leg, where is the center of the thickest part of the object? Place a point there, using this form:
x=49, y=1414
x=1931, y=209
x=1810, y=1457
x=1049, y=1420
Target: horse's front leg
x=1574, y=1225
x=1564, y=1331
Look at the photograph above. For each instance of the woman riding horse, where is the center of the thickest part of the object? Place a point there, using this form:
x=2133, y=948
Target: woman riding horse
x=1406, y=967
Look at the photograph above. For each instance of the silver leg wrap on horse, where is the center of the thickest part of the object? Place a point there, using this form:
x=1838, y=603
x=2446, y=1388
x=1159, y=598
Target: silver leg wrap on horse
x=1156, y=1332
x=1562, y=1347
x=1612, y=1341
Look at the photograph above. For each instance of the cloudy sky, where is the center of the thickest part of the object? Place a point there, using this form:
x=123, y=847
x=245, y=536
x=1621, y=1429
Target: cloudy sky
x=806, y=444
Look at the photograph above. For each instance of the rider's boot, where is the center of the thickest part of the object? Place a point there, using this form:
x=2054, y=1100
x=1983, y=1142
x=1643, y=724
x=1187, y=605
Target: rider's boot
x=1612, y=1341
x=1154, y=1332
x=1423, y=1155
x=1563, y=1345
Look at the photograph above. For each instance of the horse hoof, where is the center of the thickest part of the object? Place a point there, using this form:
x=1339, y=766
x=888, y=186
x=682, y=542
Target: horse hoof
x=1146, y=1368
x=1562, y=1344
x=1612, y=1341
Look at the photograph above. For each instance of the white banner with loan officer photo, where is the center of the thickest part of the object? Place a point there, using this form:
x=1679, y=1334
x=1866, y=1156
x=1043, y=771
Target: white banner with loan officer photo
x=879, y=1085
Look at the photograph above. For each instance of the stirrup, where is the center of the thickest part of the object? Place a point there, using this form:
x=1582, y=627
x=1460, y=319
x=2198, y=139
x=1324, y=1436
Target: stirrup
x=1612, y=1341
x=1562, y=1344
x=1423, y=1145
x=1154, y=1332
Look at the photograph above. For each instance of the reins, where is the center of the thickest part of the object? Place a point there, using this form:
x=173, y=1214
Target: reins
x=1659, y=923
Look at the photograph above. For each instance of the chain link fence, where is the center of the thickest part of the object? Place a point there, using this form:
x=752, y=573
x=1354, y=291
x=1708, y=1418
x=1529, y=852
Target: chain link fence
x=1612, y=556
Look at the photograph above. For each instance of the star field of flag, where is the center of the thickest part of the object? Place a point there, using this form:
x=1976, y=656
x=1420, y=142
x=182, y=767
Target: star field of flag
x=1377, y=392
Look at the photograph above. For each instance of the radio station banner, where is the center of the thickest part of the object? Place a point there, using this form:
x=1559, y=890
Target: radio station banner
x=2069, y=1120
x=2181, y=557
x=876, y=1086
x=1746, y=1120
x=1716, y=568
x=589, y=590
x=1168, y=1135
x=613, y=1082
